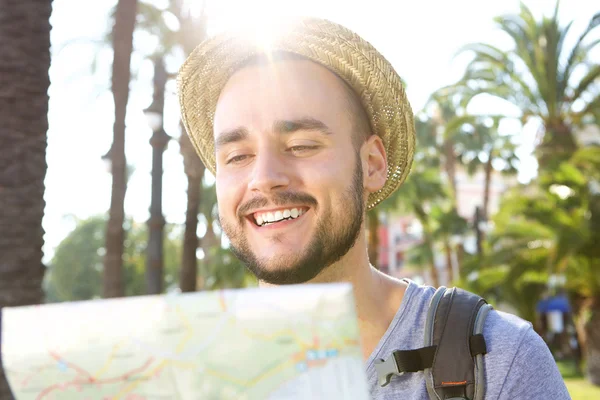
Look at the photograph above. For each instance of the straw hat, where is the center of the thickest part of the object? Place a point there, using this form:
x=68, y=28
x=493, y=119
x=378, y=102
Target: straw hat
x=379, y=88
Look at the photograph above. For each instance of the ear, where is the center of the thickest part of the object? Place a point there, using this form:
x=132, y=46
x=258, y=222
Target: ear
x=376, y=160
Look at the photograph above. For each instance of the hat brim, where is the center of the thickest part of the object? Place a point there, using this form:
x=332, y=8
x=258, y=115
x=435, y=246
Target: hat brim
x=208, y=68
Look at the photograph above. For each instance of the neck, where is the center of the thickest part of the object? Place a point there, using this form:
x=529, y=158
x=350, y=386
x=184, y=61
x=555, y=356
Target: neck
x=377, y=296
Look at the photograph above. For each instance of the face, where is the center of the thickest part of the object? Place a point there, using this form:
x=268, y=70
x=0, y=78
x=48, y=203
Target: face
x=289, y=178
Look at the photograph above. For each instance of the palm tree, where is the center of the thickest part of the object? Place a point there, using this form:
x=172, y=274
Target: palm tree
x=159, y=141
x=192, y=31
x=548, y=227
x=541, y=76
x=422, y=190
x=448, y=224
x=122, y=36
x=482, y=146
x=444, y=126
x=417, y=193
x=210, y=242
x=194, y=171
x=445, y=131
x=585, y=281
x=25, y=61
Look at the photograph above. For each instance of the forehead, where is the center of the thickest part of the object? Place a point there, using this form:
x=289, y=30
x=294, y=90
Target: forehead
x=283, y=89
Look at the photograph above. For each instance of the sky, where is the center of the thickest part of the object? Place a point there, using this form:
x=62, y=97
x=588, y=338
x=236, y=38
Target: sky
x=419, y=38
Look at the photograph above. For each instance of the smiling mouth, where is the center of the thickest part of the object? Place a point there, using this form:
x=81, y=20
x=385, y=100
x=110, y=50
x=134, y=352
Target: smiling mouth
x=273, y=217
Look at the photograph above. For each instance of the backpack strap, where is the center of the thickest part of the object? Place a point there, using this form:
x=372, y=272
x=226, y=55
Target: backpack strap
x=452, y=356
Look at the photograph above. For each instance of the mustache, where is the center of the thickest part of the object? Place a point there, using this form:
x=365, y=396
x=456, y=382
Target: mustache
x=279, y=199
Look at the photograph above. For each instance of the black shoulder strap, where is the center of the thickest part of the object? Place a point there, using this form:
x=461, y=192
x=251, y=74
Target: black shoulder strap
x=453, y=348
x=453, y=332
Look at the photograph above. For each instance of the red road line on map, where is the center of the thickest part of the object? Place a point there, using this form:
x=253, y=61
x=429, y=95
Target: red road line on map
x=77, y=382
x=49, y=389
x=58, y=358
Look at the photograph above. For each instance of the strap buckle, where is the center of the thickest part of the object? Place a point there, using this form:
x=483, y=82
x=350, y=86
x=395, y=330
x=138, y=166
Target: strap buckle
x=385, y=369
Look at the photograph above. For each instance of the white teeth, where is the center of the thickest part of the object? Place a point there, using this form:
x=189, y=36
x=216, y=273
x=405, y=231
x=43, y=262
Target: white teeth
x=277, y=215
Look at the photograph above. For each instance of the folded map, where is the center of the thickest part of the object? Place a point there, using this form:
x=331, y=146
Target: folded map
x=289, y=342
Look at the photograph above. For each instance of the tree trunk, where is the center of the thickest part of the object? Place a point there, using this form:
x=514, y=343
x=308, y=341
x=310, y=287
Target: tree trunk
x=156, y=223
x=209, y=241
x=121, y=73
x=194, y=170
x=592, y=344
x=478, y=233
x=557, y=145
x=449, y=261
x=193, y=31
x=460, y=257
x=450, y=168
x=487, y=185
x=189, y=261
x=435, y=280
x=373, y=242
x=24, y=83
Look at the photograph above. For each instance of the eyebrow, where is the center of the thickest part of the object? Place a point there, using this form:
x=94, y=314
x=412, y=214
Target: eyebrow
x=232, y=136
x=302, y=124
x=281, y=127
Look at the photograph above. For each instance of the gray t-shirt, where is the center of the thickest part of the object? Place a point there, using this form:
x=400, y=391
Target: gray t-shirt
x=518, y=364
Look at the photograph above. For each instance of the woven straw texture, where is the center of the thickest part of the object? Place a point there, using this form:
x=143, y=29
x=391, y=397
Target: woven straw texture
x=207, y=69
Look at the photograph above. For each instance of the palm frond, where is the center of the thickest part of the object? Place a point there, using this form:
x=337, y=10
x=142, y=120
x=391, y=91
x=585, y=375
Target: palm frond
x=500, y=79
x=453, y=127
x=562, y=80
x=592, y=76
x=578, y=53
x=551, y=40
x=592, y=107
x=527, y=48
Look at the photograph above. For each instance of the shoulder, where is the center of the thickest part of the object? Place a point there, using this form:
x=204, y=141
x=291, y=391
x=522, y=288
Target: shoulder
x=503, y=328
x=505, y=331
x=518, y=363
x=504, y=335
x=517, y=356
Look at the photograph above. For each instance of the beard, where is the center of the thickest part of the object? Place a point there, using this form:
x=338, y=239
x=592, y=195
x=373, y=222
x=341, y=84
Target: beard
x=333, y=238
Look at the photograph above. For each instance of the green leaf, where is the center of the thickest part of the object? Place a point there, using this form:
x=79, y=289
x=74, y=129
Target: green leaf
x=592, y=76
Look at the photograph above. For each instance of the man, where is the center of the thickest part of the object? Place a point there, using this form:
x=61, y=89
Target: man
x=303, y=137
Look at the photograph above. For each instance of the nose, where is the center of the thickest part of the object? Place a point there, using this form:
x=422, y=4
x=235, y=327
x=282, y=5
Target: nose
x=269, y=173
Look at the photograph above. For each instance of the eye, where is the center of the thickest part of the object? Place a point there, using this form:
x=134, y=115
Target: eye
x=237, y=159
x=301, y=149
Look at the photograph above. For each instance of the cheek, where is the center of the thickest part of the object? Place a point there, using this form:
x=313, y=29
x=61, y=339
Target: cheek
x=331, y=171
x=229, y=192
x=327, y=178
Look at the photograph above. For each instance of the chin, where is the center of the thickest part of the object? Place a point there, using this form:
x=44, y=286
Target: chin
x=284, y=273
